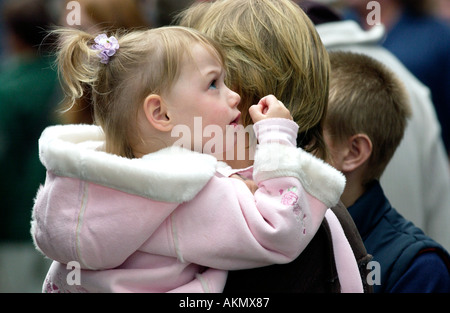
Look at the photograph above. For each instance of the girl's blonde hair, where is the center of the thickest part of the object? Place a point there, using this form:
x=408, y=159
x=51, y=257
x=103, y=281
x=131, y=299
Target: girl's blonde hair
x=272, y=47
x=147, y=62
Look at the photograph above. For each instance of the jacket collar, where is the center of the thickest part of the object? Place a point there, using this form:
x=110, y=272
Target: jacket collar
x=172, y=174
x=369, y=209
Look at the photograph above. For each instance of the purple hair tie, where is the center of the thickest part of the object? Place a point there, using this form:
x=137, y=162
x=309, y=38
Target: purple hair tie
x=107, y=47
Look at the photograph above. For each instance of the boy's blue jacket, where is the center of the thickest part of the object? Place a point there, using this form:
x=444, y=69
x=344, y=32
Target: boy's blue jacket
x=400, y=247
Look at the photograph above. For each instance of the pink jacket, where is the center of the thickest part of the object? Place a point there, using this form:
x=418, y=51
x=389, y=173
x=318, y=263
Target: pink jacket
x=170, y=222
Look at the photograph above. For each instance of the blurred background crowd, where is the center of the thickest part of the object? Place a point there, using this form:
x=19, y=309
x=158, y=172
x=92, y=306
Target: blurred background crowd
x=417, y=32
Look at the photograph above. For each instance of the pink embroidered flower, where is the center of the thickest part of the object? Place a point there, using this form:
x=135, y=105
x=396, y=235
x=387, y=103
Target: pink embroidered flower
x=289, y=198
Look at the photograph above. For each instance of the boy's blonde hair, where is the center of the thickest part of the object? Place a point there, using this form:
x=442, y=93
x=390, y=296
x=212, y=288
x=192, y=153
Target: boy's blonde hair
x=147, y=62
x=271, y=47
x=365, y=97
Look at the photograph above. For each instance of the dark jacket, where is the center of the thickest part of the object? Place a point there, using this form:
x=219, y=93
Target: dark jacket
x=314, y=271
x=397, y=244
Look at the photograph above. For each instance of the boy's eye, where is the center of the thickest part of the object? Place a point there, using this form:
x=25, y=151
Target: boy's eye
x=213, y=84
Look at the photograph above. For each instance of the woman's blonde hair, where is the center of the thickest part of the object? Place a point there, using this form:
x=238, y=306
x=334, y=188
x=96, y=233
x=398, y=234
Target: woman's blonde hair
x=147, y=62
x=271, y=47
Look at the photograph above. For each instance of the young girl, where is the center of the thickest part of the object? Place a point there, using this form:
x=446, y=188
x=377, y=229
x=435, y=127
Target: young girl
x=140, y=214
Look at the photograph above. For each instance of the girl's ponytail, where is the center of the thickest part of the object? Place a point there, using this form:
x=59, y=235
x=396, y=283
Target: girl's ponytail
x=77, y=62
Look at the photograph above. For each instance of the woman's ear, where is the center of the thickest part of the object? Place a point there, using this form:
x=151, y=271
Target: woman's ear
x=156, y=113
x=359, y=150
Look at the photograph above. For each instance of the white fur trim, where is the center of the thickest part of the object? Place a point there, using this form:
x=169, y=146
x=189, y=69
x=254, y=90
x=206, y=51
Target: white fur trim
x=173, y=174
x=319, y=179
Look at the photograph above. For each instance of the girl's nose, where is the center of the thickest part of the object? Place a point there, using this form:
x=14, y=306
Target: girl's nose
x=234, y=98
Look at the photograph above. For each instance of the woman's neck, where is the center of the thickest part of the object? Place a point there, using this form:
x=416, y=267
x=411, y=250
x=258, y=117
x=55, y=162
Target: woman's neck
x=241, y=159
x=238, y=164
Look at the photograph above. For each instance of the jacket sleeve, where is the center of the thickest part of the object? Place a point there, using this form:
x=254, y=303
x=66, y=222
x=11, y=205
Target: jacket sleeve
x=227, y=227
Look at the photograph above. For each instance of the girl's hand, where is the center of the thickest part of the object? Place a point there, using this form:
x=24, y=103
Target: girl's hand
x=269, y=107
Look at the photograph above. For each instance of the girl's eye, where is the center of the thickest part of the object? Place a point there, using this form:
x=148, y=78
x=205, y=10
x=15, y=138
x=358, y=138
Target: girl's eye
x=213, y=85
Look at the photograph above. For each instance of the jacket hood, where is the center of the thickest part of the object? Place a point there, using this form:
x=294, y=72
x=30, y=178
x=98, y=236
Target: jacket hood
x=77, y=151
x=349, y=32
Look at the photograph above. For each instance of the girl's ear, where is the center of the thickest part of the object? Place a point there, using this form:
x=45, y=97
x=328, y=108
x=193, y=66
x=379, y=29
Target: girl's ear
x=156, y=113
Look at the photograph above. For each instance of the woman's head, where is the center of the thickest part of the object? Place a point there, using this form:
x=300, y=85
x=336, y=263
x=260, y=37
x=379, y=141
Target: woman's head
x=147, y=62
x=271, y=47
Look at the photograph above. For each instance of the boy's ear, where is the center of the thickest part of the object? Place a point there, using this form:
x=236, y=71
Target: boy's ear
x=156, y=113
x=359, y=150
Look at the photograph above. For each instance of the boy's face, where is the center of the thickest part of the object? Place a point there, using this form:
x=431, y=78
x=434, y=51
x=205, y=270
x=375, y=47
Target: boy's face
x=200, y=98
